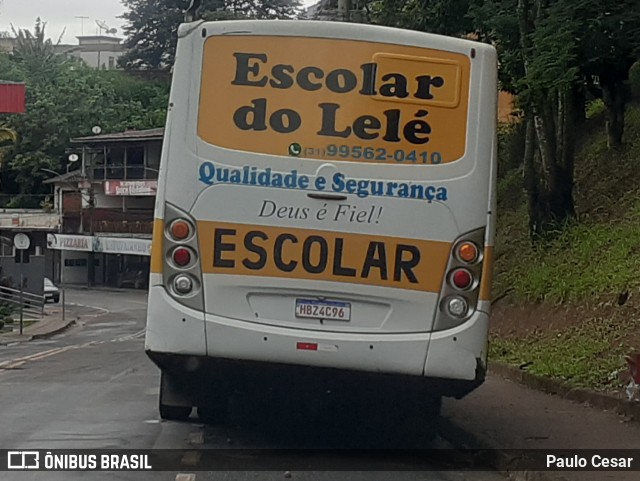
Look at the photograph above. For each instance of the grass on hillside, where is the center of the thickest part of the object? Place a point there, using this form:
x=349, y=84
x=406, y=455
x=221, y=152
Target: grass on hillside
x=588, y=354
x=585, y=261
x=598, y=255
x=587, y=266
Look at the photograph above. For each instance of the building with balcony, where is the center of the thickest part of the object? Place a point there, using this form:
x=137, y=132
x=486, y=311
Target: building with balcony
x=106, y=208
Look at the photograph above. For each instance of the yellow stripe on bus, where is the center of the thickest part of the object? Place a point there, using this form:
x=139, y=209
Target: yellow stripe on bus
x=283, y=252
x=487, y=274
x=157, y=262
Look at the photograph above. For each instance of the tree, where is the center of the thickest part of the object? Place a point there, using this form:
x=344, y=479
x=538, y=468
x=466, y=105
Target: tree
x=152, y=27
x=538, y=46
x=445, y=17
x=609, y=45
x=34, y=46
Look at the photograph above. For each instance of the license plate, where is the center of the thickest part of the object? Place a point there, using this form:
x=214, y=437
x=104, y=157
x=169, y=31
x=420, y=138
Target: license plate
x=330, y=310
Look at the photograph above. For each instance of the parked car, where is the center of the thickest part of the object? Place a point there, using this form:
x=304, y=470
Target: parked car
x=133, y=278
x=51, y=291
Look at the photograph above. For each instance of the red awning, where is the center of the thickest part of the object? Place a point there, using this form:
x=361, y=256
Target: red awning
x=12, y=98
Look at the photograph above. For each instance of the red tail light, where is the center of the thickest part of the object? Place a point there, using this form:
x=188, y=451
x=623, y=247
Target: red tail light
x=182, y=257
x=461, y=278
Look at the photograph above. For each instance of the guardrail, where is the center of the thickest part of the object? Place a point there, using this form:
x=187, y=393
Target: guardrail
x=32, y=304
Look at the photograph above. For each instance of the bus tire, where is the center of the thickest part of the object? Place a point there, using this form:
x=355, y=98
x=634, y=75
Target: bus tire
x=172, y=404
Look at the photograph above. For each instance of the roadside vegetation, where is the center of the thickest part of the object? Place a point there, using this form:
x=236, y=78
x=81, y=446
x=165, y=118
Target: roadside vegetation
x=568, y=307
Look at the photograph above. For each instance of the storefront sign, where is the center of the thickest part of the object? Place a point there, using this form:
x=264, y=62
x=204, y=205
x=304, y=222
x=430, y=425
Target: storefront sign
x=130, y=187
x=106, y=245
x=70, y=242
x=115, y=245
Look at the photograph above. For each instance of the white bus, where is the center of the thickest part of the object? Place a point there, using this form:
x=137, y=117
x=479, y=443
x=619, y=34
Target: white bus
x=325, y=211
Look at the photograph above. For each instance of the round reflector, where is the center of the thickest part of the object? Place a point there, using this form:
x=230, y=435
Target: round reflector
x=181, y=256
x=183, y=284
x=468, y=252
x=180, y=230
x=457, y=307
x=461, y=278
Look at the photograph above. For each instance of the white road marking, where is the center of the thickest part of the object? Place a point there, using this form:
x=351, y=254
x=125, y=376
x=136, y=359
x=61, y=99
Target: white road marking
x=15, y=363
x=104, y=310
x=32, y=356
x=186, y=477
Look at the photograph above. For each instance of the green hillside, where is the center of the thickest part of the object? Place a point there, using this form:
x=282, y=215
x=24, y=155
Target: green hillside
x=570, y=308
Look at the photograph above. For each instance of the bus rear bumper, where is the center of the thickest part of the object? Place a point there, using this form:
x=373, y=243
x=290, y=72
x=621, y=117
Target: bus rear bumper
x=200, y=376
x=460, y=352
x=451, y=362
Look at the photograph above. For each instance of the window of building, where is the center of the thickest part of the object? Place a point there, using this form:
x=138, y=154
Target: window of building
x=6, y=249
x=96, y=158
x=115, y=162
x=135, y=162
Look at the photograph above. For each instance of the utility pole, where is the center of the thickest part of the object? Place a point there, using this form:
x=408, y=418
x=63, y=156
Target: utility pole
x=21, y=242
x=92, y=255
x=87, y=179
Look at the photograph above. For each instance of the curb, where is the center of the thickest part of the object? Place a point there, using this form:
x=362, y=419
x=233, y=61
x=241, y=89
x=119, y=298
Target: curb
x=566, y=391
x=43, y=335
x=55, y=331
x=507, y=465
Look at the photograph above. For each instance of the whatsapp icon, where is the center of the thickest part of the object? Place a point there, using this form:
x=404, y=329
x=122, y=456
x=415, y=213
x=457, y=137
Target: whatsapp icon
x=295, y=149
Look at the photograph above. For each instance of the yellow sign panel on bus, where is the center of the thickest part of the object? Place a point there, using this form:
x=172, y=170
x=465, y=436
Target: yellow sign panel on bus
x=248, y=250
x=334, y=99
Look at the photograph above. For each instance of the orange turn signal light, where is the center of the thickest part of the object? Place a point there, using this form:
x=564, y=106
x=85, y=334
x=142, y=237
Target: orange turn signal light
x=468, y=252
x=180, y=230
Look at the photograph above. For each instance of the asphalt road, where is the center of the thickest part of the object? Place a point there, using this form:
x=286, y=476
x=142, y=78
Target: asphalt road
x=93, y=387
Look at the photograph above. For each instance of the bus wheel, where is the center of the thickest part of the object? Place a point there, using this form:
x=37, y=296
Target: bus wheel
x=172, y=404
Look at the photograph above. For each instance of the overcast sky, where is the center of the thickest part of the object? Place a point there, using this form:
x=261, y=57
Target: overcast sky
x=61, y=14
